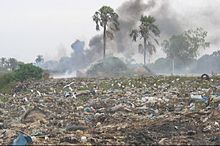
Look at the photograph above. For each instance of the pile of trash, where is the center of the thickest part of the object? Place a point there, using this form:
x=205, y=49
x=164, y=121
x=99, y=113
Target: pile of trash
x=114, y=67
x=116, y=111
x=107, y=67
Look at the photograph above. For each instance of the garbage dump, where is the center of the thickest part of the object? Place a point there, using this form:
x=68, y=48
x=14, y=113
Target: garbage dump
x=115, y=111
x=113, y=66
x=22, y=140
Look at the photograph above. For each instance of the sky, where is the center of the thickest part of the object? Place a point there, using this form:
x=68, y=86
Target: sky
x=32, y=27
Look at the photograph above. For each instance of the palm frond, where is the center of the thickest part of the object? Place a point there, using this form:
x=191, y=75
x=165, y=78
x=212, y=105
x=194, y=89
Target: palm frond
x=151, y=48
x=110, y=35
x=134, y=34
x=156, y=41
x=155, y=30
x=140, y=49
x=165, y=44
x=96, y=18
x=97, y=27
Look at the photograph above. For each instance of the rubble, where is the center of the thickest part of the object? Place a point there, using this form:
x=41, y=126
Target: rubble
x=116, y=111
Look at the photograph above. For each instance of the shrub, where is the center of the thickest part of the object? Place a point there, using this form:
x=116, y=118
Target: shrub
x=28, y=71
x=25, y=72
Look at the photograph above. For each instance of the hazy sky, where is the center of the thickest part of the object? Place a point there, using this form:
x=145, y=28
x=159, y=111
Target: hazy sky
x=32, y=27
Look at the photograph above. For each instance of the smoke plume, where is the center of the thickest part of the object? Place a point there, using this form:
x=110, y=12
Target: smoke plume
x=130, y=13
x=169, y=21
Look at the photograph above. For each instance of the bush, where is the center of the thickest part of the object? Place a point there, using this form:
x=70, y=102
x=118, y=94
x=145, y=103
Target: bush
x=25, y=72
x=6, y=79
x=28, y=71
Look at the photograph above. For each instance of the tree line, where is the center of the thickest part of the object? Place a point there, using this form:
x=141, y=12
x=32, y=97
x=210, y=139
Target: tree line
x=183, y=47
x=180, y=49
x=9, y=64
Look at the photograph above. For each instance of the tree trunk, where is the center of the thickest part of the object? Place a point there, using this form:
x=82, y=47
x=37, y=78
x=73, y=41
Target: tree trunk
x=148, y=55
x=145, y=49
x=173, y=66
x=104, y=41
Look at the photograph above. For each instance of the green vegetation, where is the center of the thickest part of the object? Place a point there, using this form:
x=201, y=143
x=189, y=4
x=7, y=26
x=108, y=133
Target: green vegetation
x=24, y=72
x=28, y=71
x=3, y=73
x=39, y=59
x=8, y=64
x=185, y=46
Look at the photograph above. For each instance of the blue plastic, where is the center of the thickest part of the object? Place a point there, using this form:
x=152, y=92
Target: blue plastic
x=88, y=109
x=22, y=139
x=218, y=94
x=205, y=98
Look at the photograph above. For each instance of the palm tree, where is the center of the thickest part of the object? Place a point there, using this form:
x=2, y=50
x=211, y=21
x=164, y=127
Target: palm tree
x=3, y=61
x=13, y=63
x=105, y=17
x=39, y=59
x=7, y=64
x=148, y=31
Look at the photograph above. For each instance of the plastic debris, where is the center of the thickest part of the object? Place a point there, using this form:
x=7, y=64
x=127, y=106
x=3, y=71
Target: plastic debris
x=38, y=92
x=1, y=125
x=192, y=106
x=191, y=132
x=201, y=98
x=89, y=109
x=68, y=85
x=83, y=139
x=75, y=128
x=22, y=139
x=67, y=94
x=69, y=139
x=143, y=110
x=205, y=77
x=207, y=128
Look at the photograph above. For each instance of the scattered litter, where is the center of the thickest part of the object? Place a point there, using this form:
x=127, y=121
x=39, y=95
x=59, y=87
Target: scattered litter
x=205, y=77
x=22, y=139
x=89, y=109
x=38, y=92
x=75, y=128
x=68, y=85
x=83, y=139
x=192, y=106
x=207, y=128
x=68, y=94
x=143, y=110
x=1, y=125
x=191, y=132
x=69, y=139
